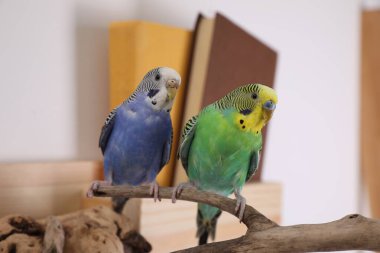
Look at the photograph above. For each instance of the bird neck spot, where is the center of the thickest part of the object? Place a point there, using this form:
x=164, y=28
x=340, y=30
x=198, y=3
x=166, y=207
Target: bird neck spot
x=251, y=122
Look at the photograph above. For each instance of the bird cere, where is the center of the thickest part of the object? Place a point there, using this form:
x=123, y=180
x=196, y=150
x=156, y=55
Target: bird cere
x=219, y=148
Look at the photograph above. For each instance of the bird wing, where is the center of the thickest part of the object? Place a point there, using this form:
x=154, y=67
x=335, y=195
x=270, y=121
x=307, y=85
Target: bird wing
x=167, y=149
x=254, y=164
x=107, y=130
x=186, y=140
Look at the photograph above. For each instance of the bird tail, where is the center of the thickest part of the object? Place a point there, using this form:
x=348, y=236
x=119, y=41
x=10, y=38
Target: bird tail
x=207, y=217
x=118, y=203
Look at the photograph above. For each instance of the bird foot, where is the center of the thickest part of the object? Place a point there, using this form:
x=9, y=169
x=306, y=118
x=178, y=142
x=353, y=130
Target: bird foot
x=240, y=204
x=95, y=186
x=179, y=188
x=154, y=190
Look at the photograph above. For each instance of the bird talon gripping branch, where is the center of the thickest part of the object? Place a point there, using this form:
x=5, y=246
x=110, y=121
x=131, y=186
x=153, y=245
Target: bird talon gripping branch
x=95, y=186
x=154, y=191
x=240, y=205
x=179, y=188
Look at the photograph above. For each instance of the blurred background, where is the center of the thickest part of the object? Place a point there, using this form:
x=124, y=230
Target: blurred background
x=54, y=88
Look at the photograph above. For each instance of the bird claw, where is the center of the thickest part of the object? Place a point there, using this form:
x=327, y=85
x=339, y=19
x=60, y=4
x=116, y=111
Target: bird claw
x=95, y=186
x=154, y=190
x=179, y=188
x=240, y=205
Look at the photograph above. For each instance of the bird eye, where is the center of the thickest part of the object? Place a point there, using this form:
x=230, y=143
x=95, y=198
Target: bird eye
x=157, y=77
x=254, y=95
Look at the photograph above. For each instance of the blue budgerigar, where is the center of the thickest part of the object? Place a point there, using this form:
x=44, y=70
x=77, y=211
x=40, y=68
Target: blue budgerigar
x=136, y=138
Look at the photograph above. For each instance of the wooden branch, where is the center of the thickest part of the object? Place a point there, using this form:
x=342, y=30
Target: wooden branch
x=352, y=232
x=225, y=204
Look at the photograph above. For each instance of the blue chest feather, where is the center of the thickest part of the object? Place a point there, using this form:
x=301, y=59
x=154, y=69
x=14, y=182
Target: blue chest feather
x=134, y=152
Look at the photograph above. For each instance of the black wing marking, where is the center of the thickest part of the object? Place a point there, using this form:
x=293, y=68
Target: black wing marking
x=186, y=140
x=107, y=130
x=254, y=165
x=167, y=150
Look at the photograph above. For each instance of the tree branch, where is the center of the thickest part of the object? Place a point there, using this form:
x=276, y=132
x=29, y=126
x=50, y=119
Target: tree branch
x=353, y=232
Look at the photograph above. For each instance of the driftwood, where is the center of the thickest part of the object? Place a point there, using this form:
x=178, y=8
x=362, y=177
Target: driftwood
x=352, y=232
x=97, y=229
x=54, y=237
x=20, y=234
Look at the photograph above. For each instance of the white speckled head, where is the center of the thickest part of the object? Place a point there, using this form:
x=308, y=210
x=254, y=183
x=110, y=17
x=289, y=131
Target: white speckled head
x=170, y=76
x=164, y=83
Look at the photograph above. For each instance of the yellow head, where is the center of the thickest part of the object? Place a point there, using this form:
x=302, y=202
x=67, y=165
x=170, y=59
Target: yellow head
x=254, y=105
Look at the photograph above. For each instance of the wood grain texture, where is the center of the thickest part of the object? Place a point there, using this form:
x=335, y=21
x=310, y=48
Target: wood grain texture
x=353, y=232
x=54, y=238
x=97, y=229
x=370, y=107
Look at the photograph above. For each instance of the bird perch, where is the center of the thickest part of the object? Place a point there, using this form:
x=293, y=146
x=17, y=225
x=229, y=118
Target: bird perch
x=352, y=232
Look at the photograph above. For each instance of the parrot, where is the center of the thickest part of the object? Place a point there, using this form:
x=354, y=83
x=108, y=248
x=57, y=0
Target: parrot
x=220, y=149
x=137, y=136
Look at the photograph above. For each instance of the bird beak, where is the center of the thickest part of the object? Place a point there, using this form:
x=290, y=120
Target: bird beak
x=172, y=87
x=172, y=83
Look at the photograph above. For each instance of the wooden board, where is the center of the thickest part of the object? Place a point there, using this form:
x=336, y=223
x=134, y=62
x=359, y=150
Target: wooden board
x=170, y=227
x=42, y=189
x=370, y=107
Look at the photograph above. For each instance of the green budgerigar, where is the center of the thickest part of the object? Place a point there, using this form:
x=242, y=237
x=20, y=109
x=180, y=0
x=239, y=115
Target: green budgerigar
x=220, y=148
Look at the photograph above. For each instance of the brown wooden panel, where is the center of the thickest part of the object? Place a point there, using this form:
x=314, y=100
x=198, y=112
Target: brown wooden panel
x=370, y=107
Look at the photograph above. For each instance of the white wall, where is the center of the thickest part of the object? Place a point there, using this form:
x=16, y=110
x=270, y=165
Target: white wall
x=54, y=77
x=53, y=86
x=313, y=143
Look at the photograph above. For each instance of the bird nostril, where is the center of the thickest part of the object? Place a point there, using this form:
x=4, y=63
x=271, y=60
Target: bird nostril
x=172, y=83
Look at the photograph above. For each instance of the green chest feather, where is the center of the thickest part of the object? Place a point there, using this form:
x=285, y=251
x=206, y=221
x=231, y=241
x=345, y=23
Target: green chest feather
x=221, y=151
